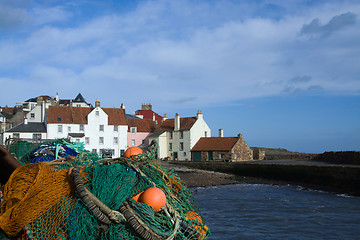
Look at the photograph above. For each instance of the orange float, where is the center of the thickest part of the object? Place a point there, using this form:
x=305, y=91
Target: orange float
x=132, y=151
x=154, y=197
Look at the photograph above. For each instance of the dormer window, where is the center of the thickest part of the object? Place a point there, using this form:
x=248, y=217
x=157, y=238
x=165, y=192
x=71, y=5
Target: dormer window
x=133, y=130
x=96, y=113
x=59, y=119
x=32, y=115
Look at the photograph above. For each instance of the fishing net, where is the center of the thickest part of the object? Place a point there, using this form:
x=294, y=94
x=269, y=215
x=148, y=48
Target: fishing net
x=87, y=197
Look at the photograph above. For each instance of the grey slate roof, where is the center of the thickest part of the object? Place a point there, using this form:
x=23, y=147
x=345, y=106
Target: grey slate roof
x=79, y=98
x=157, y=133
x=29, y=127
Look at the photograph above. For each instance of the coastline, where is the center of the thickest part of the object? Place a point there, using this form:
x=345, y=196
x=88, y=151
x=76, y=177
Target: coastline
x=335, y=178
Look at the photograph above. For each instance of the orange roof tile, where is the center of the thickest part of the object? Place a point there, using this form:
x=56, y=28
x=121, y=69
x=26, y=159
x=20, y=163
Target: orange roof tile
x=185, y=123
x=142, y=125
x=215, y=144
x=78, y=115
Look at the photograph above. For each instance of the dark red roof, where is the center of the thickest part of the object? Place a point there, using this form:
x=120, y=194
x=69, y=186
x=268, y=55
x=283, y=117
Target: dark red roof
x=185, y=123
x=142, y=125
x=78, y=115
x=148, y=114
x=215, y=144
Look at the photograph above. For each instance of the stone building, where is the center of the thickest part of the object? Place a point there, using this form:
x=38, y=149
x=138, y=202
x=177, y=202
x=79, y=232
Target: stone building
x=226, y=149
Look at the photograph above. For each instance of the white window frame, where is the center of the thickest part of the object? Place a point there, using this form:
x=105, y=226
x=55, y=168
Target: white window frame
x=60, y=128
x=101, y=128
x=133, y=130
x=133, y=142
x=116, y=128
x=81, y=127
x=101, y=140
x=116, y=140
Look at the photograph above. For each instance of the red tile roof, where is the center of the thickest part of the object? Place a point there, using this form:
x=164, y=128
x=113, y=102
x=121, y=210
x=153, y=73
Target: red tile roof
x=185, y=124
x=215, y=144
x=142, y=125
x=78, y=115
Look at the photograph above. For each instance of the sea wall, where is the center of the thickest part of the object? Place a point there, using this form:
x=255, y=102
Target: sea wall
x=334, y=178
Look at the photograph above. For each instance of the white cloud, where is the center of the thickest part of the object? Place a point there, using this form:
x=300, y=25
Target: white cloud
x=197, y=54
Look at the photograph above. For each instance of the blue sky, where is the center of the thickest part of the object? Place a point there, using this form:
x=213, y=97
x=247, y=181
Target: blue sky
x=283, y=73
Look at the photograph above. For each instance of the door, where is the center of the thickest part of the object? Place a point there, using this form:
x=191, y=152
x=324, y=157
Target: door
x=196, y=156
x=175, y=156
x=210, y=156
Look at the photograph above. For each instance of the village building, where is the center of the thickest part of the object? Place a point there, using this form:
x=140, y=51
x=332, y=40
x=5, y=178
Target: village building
x=225, y=149
x=177, y=136
x=103, y=130
x=139, y=131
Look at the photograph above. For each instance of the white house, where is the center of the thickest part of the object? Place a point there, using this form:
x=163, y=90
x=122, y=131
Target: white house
x=177, y=136
x=103, y=130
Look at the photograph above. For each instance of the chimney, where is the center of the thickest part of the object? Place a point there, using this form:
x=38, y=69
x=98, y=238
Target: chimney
x=240, y=136
x=154, y=117
x=52, y=101
x=25, y=121
x=146, y=106
x=177, y=122
x=165, y=117
x=221, y=132
x=97, y=103
x=122, y=106
x=43, y=106
x=57, y=97
x=199, y=115
x=38, y=101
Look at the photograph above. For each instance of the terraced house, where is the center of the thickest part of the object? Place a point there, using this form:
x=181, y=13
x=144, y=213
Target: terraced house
x=177, y=136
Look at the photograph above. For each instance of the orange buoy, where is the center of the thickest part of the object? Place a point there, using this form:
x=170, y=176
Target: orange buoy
x=154, y=197
x=136, y=198
x=132, y=151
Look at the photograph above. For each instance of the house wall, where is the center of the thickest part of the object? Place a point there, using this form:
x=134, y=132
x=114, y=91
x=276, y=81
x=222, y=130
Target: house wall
x=241, y=151
x=198, y=130
x=23, y=135
x=138, y=137
x=182, y=154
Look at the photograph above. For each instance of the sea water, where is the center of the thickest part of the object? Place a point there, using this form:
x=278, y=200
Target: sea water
x=258, y=211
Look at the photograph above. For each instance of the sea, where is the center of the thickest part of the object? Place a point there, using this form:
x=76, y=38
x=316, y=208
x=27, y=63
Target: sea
x=261, y=211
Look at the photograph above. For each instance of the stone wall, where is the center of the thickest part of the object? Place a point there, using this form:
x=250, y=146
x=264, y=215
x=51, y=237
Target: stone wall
x=258, y=154
x=241, y=151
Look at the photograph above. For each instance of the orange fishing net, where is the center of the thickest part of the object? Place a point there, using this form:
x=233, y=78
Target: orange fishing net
x=31, y=191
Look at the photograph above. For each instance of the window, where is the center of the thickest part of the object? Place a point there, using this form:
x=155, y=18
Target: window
x=78, y=105
x=96, y=113
x=205, y=133
x=132, y=142
x=170, y=135
x=133, y=130
x=235, y=156
x=116, y=140
x=60, y=128
x=16, y=135
x=37, y=136
x=101, y=140
x=87, y=140
x=181, y=146
x=94, y=150
x=116, y=128
x=32, y=115
x=77, y=140
x=101, y=128
x=81, y=127
x=122, y=151
x=59, y=119
x=170, y=146
x=184, y=153
x=69, y=129
x=143, y=142
x=222, y=155
x=181, y=134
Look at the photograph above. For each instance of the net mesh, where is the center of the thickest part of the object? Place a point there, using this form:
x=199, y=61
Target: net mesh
x=40, y=201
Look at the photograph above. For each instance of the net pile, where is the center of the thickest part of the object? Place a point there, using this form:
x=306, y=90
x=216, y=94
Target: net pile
x=46, y=201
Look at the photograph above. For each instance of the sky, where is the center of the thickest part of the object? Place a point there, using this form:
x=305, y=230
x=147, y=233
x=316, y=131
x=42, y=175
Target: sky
x=284, y=74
